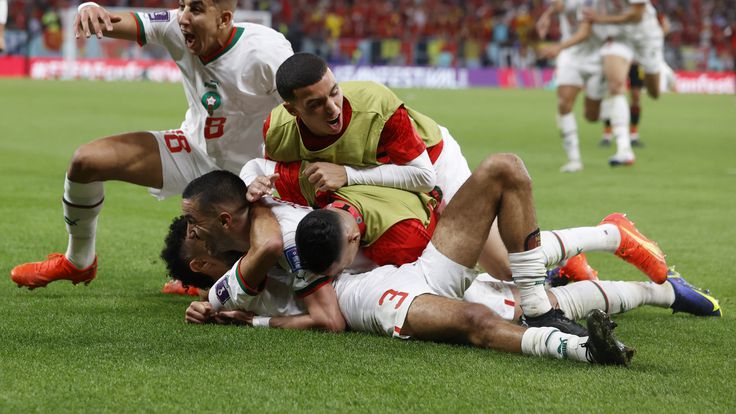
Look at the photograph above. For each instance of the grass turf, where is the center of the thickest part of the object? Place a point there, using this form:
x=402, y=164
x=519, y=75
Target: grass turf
x=119, y=345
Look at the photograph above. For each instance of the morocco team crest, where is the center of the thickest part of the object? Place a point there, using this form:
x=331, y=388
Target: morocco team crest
x=211, y=101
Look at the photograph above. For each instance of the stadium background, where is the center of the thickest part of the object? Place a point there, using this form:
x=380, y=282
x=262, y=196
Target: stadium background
x=119, y=345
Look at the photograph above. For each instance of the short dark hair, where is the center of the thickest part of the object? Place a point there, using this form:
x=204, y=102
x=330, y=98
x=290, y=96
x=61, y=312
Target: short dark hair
x=319, y=240
x=176, y=259
x=216, y=187
x=298, y=71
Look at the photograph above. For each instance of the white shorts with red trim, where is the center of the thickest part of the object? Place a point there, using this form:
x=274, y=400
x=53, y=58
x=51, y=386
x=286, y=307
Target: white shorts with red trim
x=379, y=301
x=493, y=293
x=180, y=162
x=451, y=167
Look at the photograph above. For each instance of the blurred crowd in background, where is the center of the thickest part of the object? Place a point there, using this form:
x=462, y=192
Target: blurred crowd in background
x=442, y=33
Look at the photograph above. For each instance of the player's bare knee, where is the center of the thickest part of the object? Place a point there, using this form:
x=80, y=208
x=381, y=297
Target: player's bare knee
x=510, y=170
x=83, y=167
x=480, y=323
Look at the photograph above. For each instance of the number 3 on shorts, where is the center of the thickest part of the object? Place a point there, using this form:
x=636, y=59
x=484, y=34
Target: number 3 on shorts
x=392, y=295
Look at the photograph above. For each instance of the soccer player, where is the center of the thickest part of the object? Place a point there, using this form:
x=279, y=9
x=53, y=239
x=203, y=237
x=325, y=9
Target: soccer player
x=408, y=301
x=578, y=66
x=619, y=23
x=229, y=75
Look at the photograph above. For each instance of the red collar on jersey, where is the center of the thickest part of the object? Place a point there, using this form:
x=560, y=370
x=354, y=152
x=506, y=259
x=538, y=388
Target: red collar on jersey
x=353, y=212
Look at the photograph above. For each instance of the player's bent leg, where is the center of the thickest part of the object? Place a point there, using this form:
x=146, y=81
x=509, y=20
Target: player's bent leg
x=494, y=257
x=132, y=157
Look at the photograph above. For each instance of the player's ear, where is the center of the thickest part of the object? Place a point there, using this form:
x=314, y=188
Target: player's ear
x=196, y=265
x=290, y=108
x=225, y=219
x=226, y=18
x=354, y=237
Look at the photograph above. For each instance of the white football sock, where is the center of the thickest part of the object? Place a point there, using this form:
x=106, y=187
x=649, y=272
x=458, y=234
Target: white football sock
x=605, y=109
x=569, y=131
x=82, y=205
x=559, y=245
x=552, y=343
x=528, y=272
x=620, y=117
x=577, y=299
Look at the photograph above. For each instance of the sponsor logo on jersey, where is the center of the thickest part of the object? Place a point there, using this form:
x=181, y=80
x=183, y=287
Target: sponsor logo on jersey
x=159, y=16
x=212, y=84
x=211, y=101
x=292, y=257
x=223, y=294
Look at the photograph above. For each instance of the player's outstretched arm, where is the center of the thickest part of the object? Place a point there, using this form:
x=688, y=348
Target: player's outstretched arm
x=545, y=19
x=94, y=19
x=324, y=313
x=633, y=14
x=583, y=32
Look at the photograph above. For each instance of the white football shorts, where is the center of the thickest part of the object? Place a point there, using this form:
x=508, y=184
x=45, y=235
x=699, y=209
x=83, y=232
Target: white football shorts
x=649, y=54
x=613, y=48
x=494, y=294
x=180, y=161
x=583, y=71
x=378, y=301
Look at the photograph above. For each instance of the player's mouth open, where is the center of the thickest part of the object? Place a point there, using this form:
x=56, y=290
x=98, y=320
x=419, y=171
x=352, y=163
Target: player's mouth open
x=189, y=39
x=335, y=124
x=334, y=121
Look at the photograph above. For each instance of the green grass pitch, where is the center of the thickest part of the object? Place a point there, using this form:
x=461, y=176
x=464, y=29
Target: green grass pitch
x=119, y=345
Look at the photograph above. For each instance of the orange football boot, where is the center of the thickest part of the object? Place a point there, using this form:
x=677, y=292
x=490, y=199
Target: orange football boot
x=175, y=287
x=577, y=269
x=55, y=267
x=637, y=249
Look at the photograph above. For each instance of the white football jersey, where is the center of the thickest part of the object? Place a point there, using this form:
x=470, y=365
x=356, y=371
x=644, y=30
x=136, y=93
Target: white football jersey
x=618, y=32
x=570, y=19
x=231, y=92
x=285, y=283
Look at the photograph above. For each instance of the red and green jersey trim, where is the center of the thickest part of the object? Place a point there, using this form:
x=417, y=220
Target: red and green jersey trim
x=235, y=35
x=140, y=30
x=313, y=287
x=247, y=288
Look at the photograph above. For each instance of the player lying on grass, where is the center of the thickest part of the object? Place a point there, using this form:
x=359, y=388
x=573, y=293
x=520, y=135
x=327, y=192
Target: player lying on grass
x=406, y=301
x=390, y=231
x=229, y=72
x=195, y=266
x=324, y=120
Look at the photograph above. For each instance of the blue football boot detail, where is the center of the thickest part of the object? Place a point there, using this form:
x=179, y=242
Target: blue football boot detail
x=690, y=299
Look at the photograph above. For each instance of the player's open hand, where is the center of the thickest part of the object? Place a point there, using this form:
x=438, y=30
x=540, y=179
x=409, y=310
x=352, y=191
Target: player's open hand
x=93, y=16
x=326, y=176
x=260, y=187
x=199, y=312
x=235, y=317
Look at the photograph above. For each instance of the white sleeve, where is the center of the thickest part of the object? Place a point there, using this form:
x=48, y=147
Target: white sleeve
x=274, y=51
x=256, y=167
x=3, y=11
x=152, y=27
x=228, y=293
x=417, y=175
